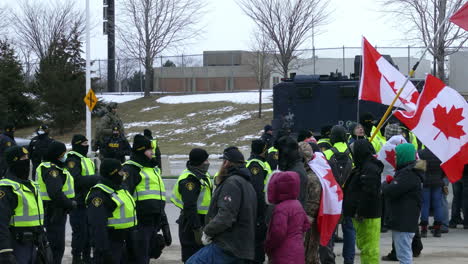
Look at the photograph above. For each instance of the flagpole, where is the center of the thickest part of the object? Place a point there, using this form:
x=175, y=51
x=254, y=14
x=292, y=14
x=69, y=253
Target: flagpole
x=411, y=73
x=88, y=74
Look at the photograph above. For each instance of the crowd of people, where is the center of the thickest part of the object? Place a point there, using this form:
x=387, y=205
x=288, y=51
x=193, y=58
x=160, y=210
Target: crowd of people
x=262, y=209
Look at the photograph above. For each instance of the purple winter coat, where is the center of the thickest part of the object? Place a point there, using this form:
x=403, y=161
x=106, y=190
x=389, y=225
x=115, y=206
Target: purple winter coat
x=289, y=222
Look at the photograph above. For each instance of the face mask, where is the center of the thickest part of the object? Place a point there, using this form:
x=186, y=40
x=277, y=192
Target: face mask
x=83, y=150
x=21, y=168
x=40, y=132
x=63, y=159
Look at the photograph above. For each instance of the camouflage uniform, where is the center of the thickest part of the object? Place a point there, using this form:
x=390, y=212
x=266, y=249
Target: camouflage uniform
x=107, y=123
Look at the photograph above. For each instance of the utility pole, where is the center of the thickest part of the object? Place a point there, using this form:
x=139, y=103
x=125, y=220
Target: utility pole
x=111, y=46
x=88, y=72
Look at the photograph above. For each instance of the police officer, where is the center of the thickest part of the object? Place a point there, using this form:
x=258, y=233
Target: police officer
x=38, y=147
x=7, y=139
x=154, y=144
x=57, y=191
x=84, y=175
x=111, y=214
x=260, y=170
x=267, y=135
x=115, y=146
x=192, y=194
x=21, y=210
x=272, y=153
x=324, y=141
x=147, y=187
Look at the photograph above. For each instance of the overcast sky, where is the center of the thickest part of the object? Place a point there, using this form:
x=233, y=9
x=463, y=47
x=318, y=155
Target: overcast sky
x=227, y=28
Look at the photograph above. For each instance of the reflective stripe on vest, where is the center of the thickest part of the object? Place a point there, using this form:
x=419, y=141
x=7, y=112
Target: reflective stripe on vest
x=67, y=188
x=378, y=140
x=124, y=215
x=272, y=149
x=29, y=211
x=87, y=165
x=151, y=185
x=204, y=198
x=265, y=166
x=154, y=145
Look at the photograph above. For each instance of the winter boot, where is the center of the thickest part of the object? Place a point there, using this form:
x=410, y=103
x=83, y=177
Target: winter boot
x=423, y=229
x=437, y=229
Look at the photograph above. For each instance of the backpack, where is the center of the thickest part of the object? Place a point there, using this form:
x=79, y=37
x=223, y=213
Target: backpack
x=341, y=165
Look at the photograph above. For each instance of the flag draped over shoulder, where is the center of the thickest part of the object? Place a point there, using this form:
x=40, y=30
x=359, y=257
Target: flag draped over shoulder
x=380, y=81
x=440, y=123
x=332, y=198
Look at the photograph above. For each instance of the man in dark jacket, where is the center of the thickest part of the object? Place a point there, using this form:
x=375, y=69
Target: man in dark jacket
x=267, y=136
x=230, y=232
x=432, y=192
x=7, y=139
x=154, y=144
x=114, y=146
x=362, y=200
x=260, y=170
x=405, y=194
x=272, y=155
x=38, y=147
x=84, y=174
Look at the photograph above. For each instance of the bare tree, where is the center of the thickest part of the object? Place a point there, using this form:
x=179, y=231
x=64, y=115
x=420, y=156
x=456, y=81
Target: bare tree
x=3, y=21
x=425, y=17
x=124, y=70
x=262, y=63
x=38, y=24
x=286, y=23
x=151, y=26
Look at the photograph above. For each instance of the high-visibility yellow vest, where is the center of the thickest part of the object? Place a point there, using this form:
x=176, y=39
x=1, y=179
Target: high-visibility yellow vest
x=265, y=166
x=30, y=211
x=68, y=187
x=413, y=140
x=87, y=165
x=324, y=140
x=379, y=141
x=204, y=198
x=340, y=146
x=154, y=145
x=124, y=215
x=151, y=185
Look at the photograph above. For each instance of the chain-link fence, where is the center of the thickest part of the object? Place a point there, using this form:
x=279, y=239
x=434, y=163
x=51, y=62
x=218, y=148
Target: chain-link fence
x=235, y=70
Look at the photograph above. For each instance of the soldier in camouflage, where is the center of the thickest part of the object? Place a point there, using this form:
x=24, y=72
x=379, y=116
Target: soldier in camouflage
x=104, y=127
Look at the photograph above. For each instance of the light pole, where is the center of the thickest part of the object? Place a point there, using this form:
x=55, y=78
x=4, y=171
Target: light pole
x=88, y=73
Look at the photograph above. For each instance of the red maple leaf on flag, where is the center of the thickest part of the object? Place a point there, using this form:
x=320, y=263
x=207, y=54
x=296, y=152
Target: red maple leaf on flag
x=391, y=157
x=395, y=90
x=330, y=178
x=447, y=122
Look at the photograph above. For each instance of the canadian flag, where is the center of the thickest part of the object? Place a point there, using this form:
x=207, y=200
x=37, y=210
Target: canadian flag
x=332, y=198
x=387, y=155
x=380, y=81
x=460, y=18
x=440, y=122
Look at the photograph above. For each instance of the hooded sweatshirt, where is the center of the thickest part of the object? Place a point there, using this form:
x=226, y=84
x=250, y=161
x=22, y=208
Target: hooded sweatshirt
x=285, y=238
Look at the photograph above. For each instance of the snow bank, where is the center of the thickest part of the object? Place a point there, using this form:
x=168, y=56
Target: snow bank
x=119, y=98
x=149, y=108
x=152, y=123
x=237, y=98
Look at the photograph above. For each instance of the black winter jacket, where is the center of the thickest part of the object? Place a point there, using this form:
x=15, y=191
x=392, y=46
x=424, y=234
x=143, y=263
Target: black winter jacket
x=232, y=215
x=362, y=197
x=405, y=196
x=434, y=175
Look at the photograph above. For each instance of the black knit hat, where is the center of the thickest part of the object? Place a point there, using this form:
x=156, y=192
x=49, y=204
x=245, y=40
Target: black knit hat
x=141, y=143
x=147, y=133
x=13, y=154
x=258, y=146
x=233, y=154
x=78, y=139
x=197, y=156
x=54, y=150
x=110, y=168
x=268, y=128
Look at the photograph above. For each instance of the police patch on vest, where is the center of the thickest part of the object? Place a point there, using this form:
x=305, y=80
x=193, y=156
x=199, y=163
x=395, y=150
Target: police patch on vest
x=2, y=193
x=190, y=186
x=54, y=173
x=96, y=202
x=71, y=164
x=255, y=170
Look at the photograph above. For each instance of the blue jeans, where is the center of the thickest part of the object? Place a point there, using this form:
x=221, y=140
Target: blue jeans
x=349, y=240
x=212, y=254
x=432, y=196
x=402, y=241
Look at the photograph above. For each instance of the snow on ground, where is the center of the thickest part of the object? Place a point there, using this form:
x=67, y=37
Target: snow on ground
x=233, y=120
x=152, y=123
x=149, y=108
x=238, y=98
x=119, y=98
x=197, y=144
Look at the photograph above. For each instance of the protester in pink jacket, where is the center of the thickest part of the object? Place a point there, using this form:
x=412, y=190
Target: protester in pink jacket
x=289, y=222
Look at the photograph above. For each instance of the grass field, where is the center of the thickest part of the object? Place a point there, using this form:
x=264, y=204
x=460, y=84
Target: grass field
x=181, y=127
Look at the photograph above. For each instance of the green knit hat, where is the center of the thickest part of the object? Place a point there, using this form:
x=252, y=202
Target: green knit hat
x=405, y=153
